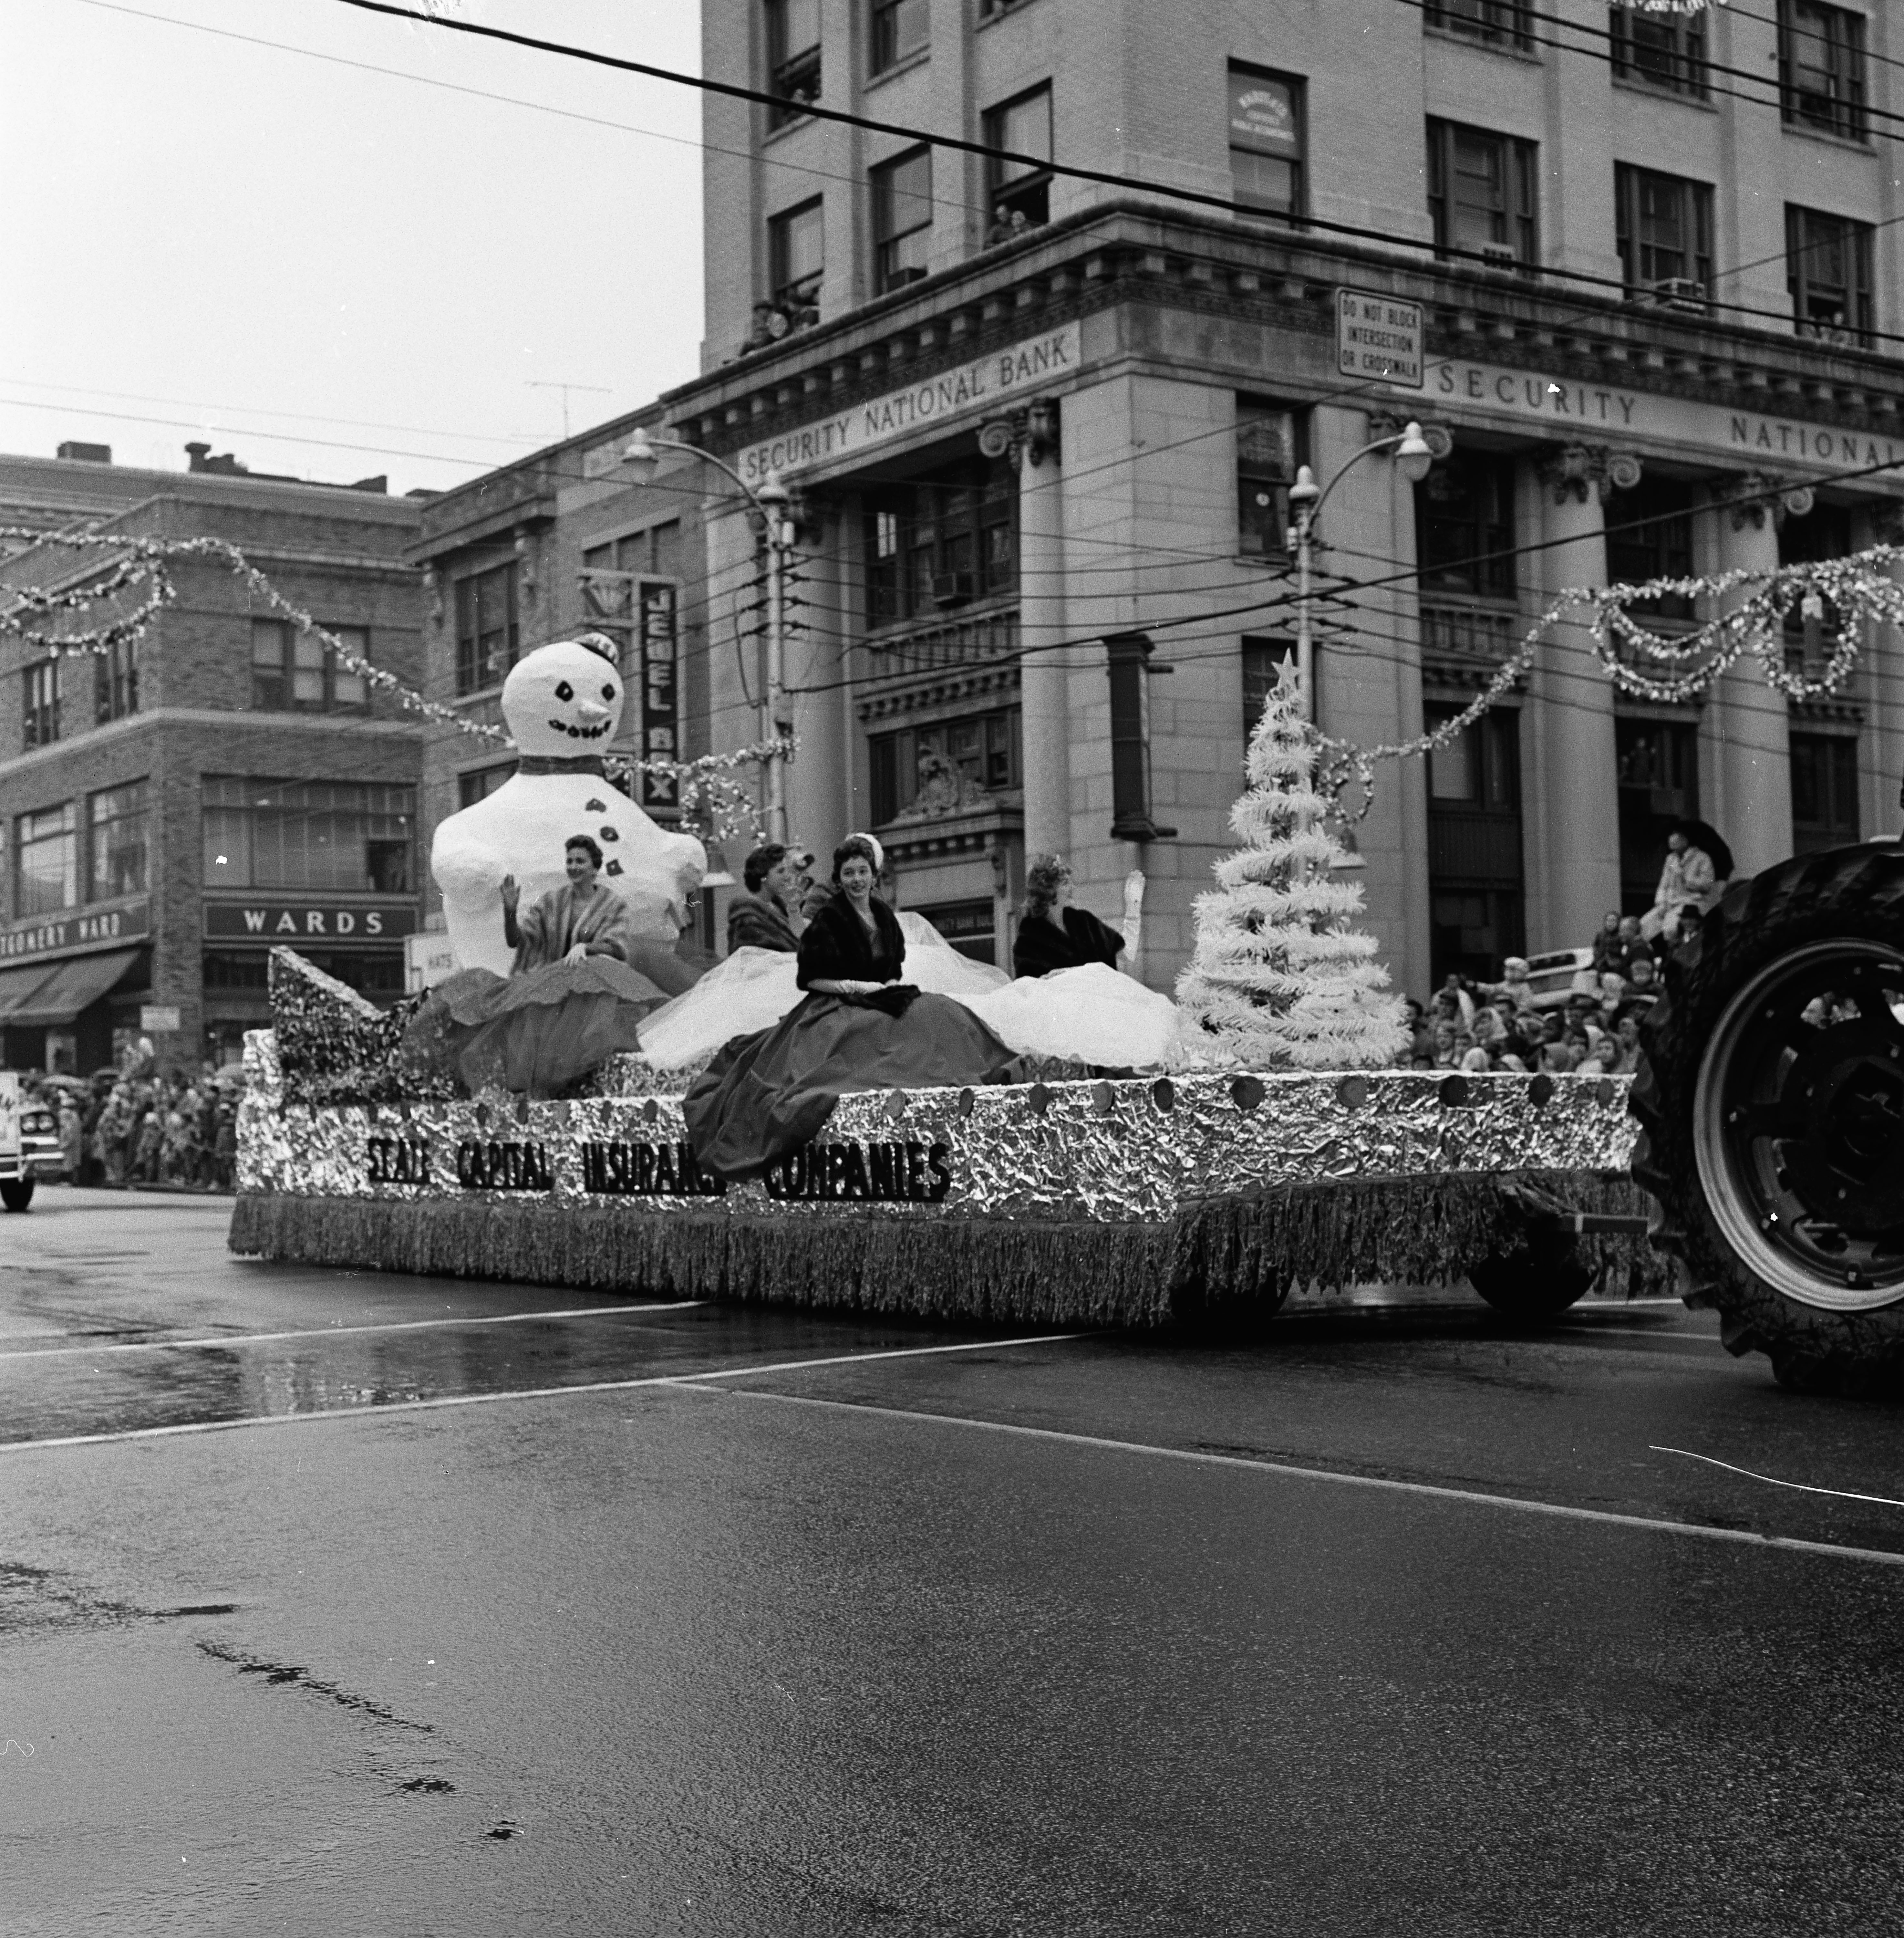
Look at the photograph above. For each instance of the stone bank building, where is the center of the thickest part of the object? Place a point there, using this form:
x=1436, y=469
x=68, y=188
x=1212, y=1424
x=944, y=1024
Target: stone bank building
x=1043, y=430
x=170, y=810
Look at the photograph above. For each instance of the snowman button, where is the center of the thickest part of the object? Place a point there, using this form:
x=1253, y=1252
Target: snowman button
x=594, y=807
x=610, y=834
x=615, y=868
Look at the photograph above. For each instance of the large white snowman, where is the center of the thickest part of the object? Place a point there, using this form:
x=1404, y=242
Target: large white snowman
x=561, y=704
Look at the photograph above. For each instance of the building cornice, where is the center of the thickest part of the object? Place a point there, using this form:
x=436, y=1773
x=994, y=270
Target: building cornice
x=330, y=725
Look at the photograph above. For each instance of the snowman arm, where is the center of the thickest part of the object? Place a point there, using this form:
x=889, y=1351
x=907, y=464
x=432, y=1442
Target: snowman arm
x=466, y=867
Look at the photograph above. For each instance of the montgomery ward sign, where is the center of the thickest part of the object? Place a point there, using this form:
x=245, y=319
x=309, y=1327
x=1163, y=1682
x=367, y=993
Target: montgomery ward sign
x=69, y=935
x=1567, y=407
x=289, y=922
x=990, y=383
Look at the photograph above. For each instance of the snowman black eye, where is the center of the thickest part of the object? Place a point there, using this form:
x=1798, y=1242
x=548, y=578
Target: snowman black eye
x=608, y=693
x=565, y=691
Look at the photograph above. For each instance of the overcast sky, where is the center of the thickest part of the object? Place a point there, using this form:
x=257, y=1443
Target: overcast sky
x=330, y=272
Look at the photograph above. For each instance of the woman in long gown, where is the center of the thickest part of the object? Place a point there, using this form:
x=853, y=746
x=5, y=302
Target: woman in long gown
x=858, y=1027
x=571, y=998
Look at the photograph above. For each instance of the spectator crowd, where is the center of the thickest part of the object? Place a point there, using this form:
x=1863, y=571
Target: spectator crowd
x=139, y=1126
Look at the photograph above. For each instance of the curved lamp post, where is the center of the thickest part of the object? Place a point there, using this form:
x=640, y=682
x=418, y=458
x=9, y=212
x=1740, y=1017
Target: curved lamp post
x=640, y=459
x=1413, y=456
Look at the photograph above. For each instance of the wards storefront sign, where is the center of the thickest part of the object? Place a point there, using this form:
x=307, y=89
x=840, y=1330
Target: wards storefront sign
x=69, y=935
x=289, y=922
x=1565, y=407
x=989, y=383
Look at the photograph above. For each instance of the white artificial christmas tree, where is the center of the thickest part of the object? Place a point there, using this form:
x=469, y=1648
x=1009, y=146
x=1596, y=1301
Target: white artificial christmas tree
x=1279, y=979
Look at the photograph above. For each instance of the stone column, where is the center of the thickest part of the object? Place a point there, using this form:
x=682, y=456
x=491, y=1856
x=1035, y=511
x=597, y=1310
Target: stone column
x=1745, y=768
x=1571, y=797
x=1044, y=675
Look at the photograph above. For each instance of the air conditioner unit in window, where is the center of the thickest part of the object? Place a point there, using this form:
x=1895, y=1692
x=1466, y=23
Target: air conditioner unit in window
x=951, y=588
x=1679, y=292
x=1502, y=252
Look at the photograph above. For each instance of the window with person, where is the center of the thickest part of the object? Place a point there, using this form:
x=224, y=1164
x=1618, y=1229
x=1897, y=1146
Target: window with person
x=46, y=861
x=1482, y=192
x=1270, y=441
x=294, y=671
x=1649, y=536
x=118, y=840
x=486, y=628
x=1018, y=193
x=1663, y=232
x=40, y=721
x=983, y=749
x=899, y=29
x=1828, y=271
x=1495, y=23
x=1267, y=144
x=1662, y=50
x=793, y=58
x=350, y=837
x=797, y=261
x=941, y=541
x=901, y=220
x=115, y=681
x=1823, y=533
x=1821, y=69
x=1464, y=525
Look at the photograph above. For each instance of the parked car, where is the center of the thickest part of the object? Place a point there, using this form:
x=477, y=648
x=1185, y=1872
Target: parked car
x=30, y=1154
x=1550, y=976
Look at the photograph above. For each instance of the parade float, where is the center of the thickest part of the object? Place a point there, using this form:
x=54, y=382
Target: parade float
x=1201, y=1158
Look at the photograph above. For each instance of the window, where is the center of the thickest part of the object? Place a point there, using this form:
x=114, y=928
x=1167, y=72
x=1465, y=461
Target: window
x=1499, y=23
x=796, y=249
x=900, y=29
x=117, y=841
x=793, y=58
x=1663, y=49
x=1464, y=525
x=1268, y=449
x=485, y=628
x=1665, y=233
x=1824, y=792
x=1823, y=533
x=941, y=541
x=348, y=836
x=1481, y=192
x=46, y=861
x=1018, y=194
x=473, y=788
x=1266, y=141
x=990, y=10
x=1828, y=271
x=296, y=672
x=984, y=747
x=40, y=718
x=901, y=220
x=1477, y=889
x=1821, y=69
x=1260, y=659
x=116, y=683
x=1127, y=664
x=1650, y=535
x=1657, y=765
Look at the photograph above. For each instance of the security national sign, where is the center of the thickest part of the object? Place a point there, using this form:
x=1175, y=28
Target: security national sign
x=293, y=922
x=1377, y=337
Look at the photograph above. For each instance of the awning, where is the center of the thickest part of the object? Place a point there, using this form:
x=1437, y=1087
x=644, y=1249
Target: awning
x=74, y=985
x=16, y=985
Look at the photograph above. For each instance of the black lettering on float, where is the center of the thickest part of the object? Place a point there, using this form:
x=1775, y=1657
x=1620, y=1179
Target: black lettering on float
x=887, y=1179
x=853, y=1185
x=665, y=1184
x=941, y=1173
x=916, y=1172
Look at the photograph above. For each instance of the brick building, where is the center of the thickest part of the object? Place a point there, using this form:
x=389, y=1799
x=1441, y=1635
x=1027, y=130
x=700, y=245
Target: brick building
x=167, y=813
x=1046, y=428
x=560, y=543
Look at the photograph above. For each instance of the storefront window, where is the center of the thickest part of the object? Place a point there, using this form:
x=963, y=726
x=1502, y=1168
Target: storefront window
x=941, y=542
x=118, y=840
x=351, y=837
x=46, y=861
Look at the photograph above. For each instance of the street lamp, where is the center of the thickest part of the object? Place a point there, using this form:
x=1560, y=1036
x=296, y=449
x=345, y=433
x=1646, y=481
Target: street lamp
x=640, y=459
x=1414, y=454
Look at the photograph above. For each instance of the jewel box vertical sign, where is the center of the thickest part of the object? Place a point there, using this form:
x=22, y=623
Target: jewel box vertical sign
x=660, y=737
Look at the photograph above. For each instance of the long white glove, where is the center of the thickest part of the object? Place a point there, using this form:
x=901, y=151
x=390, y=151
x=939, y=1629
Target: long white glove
x=1133, y=918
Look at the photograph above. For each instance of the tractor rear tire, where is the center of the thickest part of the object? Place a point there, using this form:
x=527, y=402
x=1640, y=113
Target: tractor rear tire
x=1770, y=1097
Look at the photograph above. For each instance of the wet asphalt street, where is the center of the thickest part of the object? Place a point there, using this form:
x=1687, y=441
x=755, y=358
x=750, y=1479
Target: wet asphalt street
x=336, y=1603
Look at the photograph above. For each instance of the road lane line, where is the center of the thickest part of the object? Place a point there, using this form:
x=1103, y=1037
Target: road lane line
x=521, y=1392
x=1690, y=1530
x=339, y=1332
